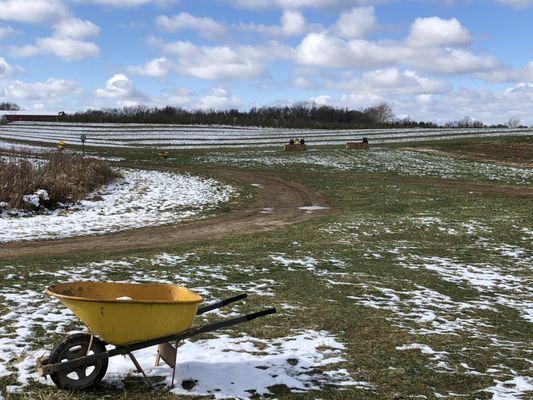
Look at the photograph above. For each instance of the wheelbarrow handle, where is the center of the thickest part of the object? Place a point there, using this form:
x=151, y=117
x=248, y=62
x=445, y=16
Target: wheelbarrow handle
x=221, y=304
x=260, y=314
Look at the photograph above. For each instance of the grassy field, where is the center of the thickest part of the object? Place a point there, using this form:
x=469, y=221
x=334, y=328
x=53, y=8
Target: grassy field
x=423, y=276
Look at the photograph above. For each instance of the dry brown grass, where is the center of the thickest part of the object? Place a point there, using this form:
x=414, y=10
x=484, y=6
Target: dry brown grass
x=66, y=178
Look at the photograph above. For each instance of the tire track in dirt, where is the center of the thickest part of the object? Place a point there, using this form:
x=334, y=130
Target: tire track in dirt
x=282, y=196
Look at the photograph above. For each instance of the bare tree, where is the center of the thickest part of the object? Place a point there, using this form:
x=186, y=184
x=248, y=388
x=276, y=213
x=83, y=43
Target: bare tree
x=9, y=107
x=513, y=123
x=465, y=122
x=381, y=113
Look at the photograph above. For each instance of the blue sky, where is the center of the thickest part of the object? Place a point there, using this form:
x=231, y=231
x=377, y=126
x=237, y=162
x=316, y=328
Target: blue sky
x=430, y=59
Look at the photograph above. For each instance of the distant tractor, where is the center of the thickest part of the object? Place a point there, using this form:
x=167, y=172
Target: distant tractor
x=164, y=155
x=358, y=145
x=296, y=145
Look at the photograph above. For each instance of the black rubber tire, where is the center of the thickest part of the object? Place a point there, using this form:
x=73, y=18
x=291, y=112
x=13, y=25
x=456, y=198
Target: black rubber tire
x=64, y=351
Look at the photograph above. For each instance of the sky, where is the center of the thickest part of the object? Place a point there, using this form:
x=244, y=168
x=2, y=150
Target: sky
x=436, y=60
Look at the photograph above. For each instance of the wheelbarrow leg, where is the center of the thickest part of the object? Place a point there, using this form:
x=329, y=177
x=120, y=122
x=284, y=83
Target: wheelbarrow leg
x=174, y=367
x=139, y=368
x=168, y=353
x=90, y=344
x=157, y=357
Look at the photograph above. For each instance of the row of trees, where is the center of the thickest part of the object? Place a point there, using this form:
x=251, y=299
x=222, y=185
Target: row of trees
x=304, y=115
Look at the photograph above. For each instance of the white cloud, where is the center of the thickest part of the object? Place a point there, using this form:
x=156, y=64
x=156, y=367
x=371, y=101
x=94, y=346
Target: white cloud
x=395, y=82
x=324, y=50
x=6, y=31
x=291, y=23
x=517, y=3
x=489, y=106
x=6, y=70
x=322, y=100
x=67, y=41
x=452, y=61
x=75, y=28
x=158, y=68
x=217, y=98
x=27, y=50
x=356, y=23
x=389, y=85
x=435, y=31
x=205, y=26
x=127, y=3
x=65, y=48
x=49, y=91
x=523, y=75
x=302, y=82
x=292, y=4
x=223, y=62
x=32, y=11
x=121, y=89
x=485, y=105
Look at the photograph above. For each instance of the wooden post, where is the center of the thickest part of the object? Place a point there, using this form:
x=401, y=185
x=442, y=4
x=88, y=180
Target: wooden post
x=83, y=138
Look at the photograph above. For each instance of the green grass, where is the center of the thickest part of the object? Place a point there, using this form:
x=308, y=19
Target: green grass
x=377, y=213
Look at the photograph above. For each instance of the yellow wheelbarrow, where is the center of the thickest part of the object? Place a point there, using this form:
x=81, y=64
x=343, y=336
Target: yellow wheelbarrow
x=129, y=317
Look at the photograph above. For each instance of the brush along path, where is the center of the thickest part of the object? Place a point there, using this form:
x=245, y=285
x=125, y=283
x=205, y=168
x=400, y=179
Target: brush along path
x=277, y=204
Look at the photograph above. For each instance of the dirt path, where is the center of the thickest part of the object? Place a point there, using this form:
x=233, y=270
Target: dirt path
x=284, y=198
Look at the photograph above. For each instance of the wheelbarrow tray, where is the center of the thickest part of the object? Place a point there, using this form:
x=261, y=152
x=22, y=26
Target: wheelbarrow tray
x=122, y=313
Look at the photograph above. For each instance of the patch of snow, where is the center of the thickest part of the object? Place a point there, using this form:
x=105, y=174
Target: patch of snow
x=326, y=267
x=515, y=388
x=140, y=199
x=311, y=209
x=14, y=389
x=479, y=277
x=438, y=357
x=485, y=278
x=425, y=349
x=241, y=367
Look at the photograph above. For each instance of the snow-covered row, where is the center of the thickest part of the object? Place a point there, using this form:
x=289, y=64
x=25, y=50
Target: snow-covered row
x=189, y=144
x=194, y=136
x=223, y=129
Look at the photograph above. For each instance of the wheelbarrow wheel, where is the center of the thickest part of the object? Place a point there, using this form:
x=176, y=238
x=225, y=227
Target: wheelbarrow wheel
x=86, y=376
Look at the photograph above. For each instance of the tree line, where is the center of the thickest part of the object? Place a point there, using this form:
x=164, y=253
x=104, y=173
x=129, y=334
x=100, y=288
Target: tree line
x=294, y=116
x=302, y=115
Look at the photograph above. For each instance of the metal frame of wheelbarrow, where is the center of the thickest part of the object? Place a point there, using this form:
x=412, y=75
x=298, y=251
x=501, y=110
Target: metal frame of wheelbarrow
x=166, y=351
